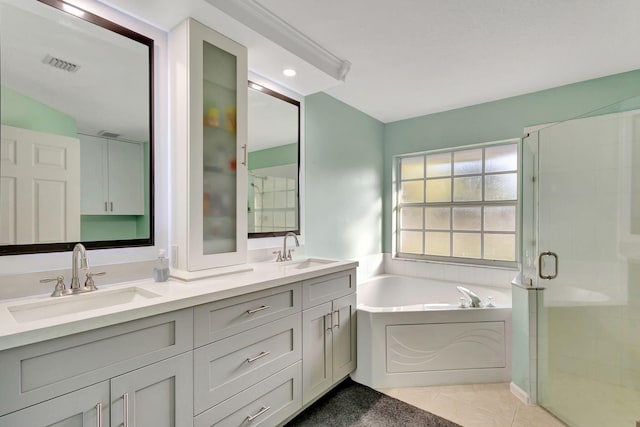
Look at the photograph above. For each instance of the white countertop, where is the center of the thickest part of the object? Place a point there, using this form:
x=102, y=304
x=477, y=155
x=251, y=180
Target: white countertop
x=172, y=295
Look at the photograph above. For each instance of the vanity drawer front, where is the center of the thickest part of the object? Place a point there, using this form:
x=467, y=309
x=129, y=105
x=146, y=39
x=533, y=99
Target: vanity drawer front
x=224, y=318
x=36, y=372
x=228, y=366
x=270, y=402
x=326, y=288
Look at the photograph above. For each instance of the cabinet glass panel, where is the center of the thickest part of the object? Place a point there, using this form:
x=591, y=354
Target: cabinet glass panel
x=219, y=151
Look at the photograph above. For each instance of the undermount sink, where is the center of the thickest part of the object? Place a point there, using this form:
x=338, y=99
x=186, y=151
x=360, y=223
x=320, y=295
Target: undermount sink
x=60, y=306
x=308, y=263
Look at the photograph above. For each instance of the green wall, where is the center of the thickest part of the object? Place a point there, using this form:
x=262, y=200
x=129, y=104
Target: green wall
x=275, y=156
x=20, y=111
x=343, y=168
x=498, y=120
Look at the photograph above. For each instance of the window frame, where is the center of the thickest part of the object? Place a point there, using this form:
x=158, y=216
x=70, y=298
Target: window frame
x=482, y=204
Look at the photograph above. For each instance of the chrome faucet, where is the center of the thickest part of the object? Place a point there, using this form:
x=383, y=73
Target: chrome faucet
x=285, y=255
x=79, y=251
x=474, y=299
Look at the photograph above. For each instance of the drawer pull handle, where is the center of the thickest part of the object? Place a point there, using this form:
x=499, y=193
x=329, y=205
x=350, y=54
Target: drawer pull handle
x=255, y=310
x=99, y=414
x=338, y=324
x=260, y=412
x=125, y=398
x=260, y=356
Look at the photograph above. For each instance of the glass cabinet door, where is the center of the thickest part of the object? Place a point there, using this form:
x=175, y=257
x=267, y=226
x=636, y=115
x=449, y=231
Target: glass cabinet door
x=210, y=134
x=219, y=147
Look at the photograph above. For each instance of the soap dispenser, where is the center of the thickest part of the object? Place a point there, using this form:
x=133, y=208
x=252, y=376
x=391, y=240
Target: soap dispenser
x=161, y=269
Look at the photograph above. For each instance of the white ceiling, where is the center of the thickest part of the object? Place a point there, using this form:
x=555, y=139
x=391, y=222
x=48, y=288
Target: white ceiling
x=121, y=106
x=416, y=57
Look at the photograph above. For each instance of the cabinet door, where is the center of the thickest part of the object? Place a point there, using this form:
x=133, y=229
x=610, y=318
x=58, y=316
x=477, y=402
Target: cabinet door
x=344, y=336
x=94, y=176
x=157, y=395
x=126, y=179
x=77, y=409
x=317, y=370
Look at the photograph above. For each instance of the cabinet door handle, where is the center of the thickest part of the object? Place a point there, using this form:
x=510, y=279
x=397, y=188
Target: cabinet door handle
x=330, y=322
x=338, y=324
x=106, y=204
x=255, y=310
x=260, y=356
x=111, y=206
x=260, y=412
x=125, y=399
x=99, y=414
x=244, y=149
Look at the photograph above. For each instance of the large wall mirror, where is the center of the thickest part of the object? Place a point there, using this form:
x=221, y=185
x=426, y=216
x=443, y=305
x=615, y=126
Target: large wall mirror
x=77, y=130
x=273, y=162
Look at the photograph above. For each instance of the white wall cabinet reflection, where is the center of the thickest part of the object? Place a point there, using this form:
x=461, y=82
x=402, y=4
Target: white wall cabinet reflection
x=112, y=174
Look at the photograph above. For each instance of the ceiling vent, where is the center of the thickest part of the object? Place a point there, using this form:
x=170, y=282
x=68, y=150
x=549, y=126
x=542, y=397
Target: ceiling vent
x=61, y=64
x=108, y=134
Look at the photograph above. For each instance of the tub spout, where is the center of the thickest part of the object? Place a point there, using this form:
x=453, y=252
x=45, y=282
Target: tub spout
x=474, y=300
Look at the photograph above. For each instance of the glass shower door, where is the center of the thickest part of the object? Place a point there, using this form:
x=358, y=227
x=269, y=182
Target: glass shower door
x=588, y=195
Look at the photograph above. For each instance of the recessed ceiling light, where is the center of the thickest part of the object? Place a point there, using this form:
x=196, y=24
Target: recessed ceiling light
x=289, y=72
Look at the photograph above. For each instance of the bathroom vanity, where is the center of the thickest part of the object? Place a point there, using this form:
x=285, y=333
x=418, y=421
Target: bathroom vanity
x=256, y=346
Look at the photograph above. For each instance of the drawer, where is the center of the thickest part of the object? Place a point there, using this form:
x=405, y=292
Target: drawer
x=41, y=371
x=270, y=402
x=221, y=319
x=326, y=288
x=228, y=366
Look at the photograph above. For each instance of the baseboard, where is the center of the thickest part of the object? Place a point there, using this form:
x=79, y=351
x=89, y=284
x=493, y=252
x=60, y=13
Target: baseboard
x=520, y=394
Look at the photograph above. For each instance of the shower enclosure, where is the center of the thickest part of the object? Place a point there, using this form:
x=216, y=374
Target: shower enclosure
x=581, y=242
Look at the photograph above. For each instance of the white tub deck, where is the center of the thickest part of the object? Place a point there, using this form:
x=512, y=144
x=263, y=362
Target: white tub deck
x=412, y=333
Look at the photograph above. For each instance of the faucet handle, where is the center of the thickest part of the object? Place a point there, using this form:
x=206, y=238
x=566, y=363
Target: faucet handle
x=289, y=254
x=89, y=284
x=279, y=253
x=60, y=288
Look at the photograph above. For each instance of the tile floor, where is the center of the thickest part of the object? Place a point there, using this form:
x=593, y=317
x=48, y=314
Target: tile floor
x=475, y=405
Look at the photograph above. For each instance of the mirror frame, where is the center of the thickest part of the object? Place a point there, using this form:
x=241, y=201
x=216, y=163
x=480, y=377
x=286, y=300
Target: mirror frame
x=255, y=235
x=104, y=244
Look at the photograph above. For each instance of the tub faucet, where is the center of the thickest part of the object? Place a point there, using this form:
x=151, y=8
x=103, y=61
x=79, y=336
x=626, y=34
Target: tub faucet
x=474, y=300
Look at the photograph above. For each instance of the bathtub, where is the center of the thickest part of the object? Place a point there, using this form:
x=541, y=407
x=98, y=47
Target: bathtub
x=411, y=332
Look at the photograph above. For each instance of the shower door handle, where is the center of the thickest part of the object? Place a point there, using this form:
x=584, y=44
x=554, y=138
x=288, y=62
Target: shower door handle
x=555, y=263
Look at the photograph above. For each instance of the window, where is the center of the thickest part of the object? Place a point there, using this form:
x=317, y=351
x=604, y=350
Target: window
x=459, y=205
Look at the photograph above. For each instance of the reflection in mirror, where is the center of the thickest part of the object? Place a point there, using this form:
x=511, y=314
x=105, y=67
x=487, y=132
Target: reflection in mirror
x=274, y=147
x=76, y=114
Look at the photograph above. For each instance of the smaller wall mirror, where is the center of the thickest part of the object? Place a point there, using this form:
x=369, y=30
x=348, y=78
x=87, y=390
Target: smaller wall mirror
x=273, y=162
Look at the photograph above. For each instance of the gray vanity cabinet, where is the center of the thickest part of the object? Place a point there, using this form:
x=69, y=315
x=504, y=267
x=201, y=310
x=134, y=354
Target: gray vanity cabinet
x=63, y=380
x=77, y=409
x=328, y=332
x=247, y=367
x=157, y=395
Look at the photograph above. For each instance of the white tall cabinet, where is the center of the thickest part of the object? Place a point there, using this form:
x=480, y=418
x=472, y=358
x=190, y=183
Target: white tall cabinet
x=209, y=137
